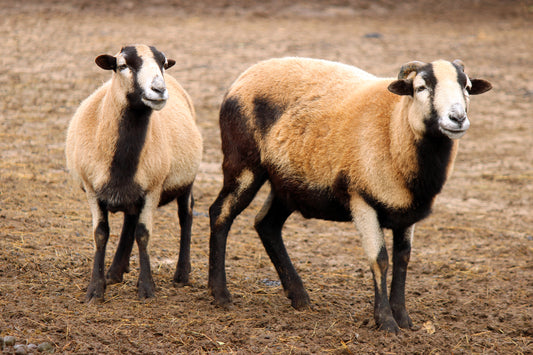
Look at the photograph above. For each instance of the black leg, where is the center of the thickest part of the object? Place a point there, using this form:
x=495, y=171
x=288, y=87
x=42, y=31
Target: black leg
x=400, y=260
x=382, y=309
x=96, y=288
x=121, y=261
x=145, y=284
x=185, y=208
x=366, y=221
x=269, y=223
x=237, y=193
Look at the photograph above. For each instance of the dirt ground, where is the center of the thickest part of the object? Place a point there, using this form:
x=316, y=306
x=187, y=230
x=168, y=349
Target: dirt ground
x=470, y=281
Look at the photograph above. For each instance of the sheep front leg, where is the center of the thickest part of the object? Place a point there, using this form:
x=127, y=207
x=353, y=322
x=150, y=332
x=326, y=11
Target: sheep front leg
x=121, y=261
x=366, y=221
x=183, y=268
x=400, y=260
x=96, y=288
x=145, y=284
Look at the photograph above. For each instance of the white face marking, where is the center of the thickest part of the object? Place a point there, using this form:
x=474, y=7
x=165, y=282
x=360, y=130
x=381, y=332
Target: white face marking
x=150, y=79
x=450, y=101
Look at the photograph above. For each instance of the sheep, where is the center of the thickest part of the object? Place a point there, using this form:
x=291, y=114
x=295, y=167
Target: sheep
x=340, y=144
x=133, y=145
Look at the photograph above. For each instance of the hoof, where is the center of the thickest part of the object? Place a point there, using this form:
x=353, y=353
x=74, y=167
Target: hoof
x=93, y=299
x=402, y=317
x=222, y=298
x=404, y=322
x=180, y=284
x=113, y=279
x=389, y=326
x=115, y=275
x=300, y=301
x=146, y=290
x=95, y=292
x=181, y=280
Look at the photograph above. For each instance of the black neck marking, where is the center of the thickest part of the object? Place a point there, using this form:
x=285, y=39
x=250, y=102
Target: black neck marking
x=132, y=130
x=121, y=192
x=434, y=154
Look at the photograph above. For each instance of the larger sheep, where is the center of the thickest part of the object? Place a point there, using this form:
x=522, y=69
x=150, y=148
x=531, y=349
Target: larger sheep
x=340, y=144
x=132, y=146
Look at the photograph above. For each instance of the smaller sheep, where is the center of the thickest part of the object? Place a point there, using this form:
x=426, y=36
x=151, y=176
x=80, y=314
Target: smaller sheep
x=132, y=146
x=340, y=144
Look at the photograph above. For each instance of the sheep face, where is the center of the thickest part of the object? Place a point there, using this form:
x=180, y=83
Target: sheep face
x=139, y=70
x=438, y=96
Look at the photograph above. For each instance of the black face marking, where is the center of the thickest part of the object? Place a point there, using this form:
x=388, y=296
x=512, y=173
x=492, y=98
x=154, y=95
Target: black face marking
x=134, y=62
x=158, y=56
x=266, y=113
x=461, y=76
x=132, y=58
x=429, y=77
x=432, y=121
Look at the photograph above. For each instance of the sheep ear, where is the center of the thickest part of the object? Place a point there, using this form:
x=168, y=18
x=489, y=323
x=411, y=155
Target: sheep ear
x=106, y=61
x=170, y=63
x=479, y=86
x=401, y=87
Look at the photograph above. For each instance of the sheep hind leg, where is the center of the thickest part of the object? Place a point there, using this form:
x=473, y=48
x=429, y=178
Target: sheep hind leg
x=400, y=259
x=268, y=224
x=236, y=194
x=121, y=261
x=183, y=267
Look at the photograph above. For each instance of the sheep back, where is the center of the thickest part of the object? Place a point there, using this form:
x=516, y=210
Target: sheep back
x=324, y=128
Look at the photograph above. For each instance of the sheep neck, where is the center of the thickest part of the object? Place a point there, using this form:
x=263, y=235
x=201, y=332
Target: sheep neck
x=424, y=161
x=131, y=126
x=132, y=131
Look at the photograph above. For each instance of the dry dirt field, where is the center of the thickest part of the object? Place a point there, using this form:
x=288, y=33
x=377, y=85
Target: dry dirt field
x=470, y=281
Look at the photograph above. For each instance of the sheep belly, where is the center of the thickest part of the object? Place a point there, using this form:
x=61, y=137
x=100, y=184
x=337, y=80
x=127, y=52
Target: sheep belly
x=328, y=204
x=398, y=218
x=333, y=204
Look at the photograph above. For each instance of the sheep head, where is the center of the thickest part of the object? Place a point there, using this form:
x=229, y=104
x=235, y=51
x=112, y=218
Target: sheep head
x=439, y=96
x=139, y=72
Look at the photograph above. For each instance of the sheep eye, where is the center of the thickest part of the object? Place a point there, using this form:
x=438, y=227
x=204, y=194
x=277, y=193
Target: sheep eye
x=122, y=67
x=421, y=88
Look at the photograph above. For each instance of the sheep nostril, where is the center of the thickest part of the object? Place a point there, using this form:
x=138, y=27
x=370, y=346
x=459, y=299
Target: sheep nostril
x=458, y=118
x=158, y=89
